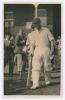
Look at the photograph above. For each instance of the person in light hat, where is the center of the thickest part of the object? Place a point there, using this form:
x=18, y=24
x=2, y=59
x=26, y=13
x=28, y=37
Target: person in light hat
x=41, y=48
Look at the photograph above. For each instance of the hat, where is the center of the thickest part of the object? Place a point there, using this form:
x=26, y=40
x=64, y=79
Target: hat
x=36, y=21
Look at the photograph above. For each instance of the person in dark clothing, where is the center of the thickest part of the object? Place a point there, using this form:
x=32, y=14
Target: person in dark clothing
x=24, y=54
x=9, y=53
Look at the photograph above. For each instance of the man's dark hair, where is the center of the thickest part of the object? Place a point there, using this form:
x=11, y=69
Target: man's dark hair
x=36, y=21
x=8, y=33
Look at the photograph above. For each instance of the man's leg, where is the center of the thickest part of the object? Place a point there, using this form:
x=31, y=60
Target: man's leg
x=36, y=67
x=6, y=59
x=19, y=64
x=47, y=67
x=35, y=78
x=47, y=77
x=11, y=69
x=11, y=66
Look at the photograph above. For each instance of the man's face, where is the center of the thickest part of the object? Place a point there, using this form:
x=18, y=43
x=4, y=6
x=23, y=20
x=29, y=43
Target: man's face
x=7, y=36
x=38, y=26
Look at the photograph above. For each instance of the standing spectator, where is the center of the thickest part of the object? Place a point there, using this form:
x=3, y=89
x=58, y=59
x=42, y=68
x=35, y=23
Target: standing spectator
x=18, y=51
x=59, y=44
x=59, y=50
x=9, y=53
x=24, y=55
x=40, y=39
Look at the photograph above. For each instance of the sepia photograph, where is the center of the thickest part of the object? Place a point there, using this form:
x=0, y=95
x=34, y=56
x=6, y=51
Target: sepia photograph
x=32, y=49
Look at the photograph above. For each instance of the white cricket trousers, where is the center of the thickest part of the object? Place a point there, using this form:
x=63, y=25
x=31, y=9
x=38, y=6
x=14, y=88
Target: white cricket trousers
x=41, y=56
x=19, y=62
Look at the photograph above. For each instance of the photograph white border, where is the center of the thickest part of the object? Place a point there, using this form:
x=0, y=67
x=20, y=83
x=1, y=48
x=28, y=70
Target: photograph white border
x=2, y=48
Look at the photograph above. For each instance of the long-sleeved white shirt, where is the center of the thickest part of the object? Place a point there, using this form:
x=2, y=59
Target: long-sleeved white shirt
x=40, y=38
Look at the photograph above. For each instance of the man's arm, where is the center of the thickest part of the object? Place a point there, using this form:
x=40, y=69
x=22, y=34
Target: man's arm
x=52, y=46
x=30, y=43
x=51, y=39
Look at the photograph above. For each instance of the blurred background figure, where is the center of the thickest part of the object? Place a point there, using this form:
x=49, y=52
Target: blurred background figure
x=56, y=61
x=59, y=51
x=24, y=54
x=9, y=53
x=19, y=42
x=59, y=44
